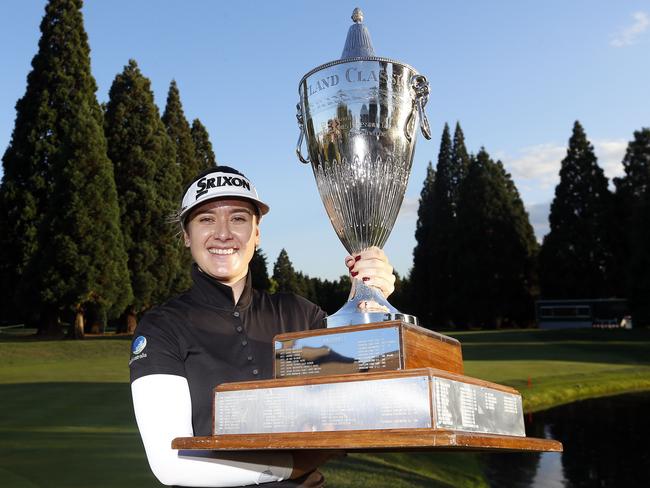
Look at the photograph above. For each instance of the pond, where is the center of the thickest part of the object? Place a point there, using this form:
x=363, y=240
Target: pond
x=606, y=444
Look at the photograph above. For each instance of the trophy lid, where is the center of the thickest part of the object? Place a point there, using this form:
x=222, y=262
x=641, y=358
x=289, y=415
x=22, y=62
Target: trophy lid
x=358, y=47
x=358, y=43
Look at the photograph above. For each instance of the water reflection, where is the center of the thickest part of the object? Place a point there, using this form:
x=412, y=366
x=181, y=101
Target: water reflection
x=605, y=445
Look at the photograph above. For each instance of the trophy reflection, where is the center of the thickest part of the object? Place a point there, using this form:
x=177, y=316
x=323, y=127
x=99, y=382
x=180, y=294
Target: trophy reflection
x=359, y=117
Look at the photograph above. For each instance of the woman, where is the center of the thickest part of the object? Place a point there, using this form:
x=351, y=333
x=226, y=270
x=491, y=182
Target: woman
x=221, y=330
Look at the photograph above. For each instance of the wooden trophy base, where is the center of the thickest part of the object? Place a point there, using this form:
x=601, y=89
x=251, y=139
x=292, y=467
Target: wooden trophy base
x=366, y=441
x=402, y=388
x=415, y=409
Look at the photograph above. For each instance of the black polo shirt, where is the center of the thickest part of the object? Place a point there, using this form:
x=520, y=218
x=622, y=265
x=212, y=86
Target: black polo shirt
x=205, y=337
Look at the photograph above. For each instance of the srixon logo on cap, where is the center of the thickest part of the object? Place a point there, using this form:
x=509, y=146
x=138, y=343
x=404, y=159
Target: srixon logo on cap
x=204, y=184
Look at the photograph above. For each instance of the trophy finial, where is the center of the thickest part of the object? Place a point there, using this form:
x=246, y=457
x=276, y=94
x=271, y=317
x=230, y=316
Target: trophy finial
x=358, y=43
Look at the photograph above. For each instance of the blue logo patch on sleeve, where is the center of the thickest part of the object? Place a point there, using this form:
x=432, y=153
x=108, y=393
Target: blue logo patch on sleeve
x=139, y=343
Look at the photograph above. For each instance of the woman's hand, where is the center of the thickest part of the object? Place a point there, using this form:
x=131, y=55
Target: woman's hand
x=372, y=266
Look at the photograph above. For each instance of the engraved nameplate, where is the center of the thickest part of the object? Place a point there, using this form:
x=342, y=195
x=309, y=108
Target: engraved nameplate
x=389, y=403
x=347, y=352
x=473, y=408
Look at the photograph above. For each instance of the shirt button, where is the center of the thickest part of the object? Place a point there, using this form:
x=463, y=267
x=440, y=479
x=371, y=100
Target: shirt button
x=256, y=371
x=239, y=328
x=235, y=314
x=250, y=358
x=244, y=343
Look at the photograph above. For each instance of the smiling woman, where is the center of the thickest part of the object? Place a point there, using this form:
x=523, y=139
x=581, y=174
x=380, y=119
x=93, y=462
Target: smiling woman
x=222, y=236
x=221, y=330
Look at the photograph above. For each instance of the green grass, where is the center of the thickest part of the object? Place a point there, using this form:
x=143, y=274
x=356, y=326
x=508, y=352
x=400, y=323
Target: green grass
x=551, y=368
x=66, y=418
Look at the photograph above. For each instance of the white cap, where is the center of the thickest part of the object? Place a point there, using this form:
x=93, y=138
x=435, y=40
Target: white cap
x=218, y=184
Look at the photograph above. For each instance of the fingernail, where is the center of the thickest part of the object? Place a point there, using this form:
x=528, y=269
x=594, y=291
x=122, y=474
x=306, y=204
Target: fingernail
x=365, y=278
x=354, y=273
x=356, y=258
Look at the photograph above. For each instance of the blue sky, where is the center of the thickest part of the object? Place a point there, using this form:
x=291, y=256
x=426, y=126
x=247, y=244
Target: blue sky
x=515, y=74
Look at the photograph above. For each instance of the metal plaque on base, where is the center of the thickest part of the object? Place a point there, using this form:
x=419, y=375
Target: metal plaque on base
x=382, y=346
x=413, y=399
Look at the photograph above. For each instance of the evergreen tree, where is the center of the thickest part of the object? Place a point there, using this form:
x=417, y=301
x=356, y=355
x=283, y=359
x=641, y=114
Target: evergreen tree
x=459, y=167
x=58, y=188
x=633, y=238
x=258, y=271
x=178, y=130
x=495, y=277
x=576, y=257
x=445, y=200
x=148, y=185
x=520, y=273
x=284, y=275
x=434, y=260
x=202, y=146
x=420, y=273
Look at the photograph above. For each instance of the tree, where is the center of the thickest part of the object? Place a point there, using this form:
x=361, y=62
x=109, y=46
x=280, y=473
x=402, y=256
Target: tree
x=576, y=257
x=58, y=189
x=202, y=146
x=495, y=277
x=459, y=167
x=633, y=238
x=521, y=251
x=434, y=259
x=148, y=184
x=259, y=272
x=284, y=275
x=420, y=278
x=179, y=130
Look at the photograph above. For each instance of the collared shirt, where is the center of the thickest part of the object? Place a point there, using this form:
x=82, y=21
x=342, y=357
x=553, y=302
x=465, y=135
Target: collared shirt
x=204, y=336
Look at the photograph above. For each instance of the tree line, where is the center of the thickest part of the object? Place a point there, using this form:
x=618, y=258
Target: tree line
x=477, y=262
x=89, y=192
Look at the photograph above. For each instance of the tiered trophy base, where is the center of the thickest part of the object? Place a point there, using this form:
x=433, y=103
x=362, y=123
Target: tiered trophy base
x=414, y=409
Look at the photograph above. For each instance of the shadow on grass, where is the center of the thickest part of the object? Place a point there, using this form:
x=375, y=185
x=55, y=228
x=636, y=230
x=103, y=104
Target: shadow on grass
x=33, y=337
x=84, y=435
x=70, y=435
x=355, y=471
x=584, y=345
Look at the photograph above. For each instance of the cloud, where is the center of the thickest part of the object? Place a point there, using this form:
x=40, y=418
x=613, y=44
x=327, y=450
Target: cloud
x=610, y=154
x=409, y=209
x=630, y=34
x=539, y=165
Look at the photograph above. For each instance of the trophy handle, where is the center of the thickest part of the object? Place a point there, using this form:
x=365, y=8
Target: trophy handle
x=301, y=136
x=421, y=87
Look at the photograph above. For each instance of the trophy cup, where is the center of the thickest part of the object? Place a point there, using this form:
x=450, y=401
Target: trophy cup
x=372, y=379
x=359, y=116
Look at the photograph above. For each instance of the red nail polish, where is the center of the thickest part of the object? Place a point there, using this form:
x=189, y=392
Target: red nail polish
x=356, y=258
x=354, y=273
x=365, y=278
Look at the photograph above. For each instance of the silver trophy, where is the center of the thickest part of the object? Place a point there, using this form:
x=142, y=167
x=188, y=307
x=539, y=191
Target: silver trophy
x=359, y=117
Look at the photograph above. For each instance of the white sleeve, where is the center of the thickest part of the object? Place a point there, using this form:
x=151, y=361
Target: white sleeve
x=163, y=411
